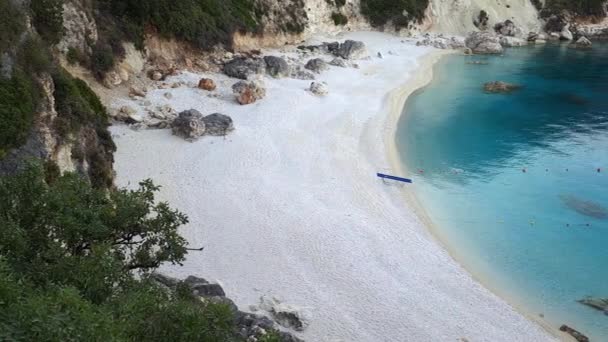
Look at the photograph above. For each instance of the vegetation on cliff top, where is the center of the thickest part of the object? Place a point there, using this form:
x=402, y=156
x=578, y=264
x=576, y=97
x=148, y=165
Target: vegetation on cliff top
x=578, y=7
x=398, y=12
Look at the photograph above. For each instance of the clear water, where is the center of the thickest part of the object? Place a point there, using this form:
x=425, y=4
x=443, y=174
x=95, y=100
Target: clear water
x=511, y=182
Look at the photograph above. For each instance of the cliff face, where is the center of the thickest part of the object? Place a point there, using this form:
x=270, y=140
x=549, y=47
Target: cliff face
x=459, y=16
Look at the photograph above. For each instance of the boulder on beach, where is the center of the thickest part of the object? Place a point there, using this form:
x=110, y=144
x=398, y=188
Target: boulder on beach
x=500, y=87
x=189, y=125
x=207, y=84
x=218, y=124
x=242, y=67
x=483, y=43
x=248, y=92
x=578, y=336
x=276, y=66
x=351, y=49
x=339, y=62
x=319, y=88
x=316, y=65
x=582, y=43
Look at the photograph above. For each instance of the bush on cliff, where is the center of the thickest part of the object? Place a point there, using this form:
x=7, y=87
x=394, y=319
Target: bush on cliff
x=578, y=7
x=398, y=12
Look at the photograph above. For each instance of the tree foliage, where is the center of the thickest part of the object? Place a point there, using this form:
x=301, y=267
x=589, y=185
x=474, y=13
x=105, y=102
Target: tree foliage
x=69, y=254
x=398, y=12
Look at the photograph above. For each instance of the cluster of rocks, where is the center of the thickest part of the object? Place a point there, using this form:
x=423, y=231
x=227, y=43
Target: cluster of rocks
x=191, y=125
x=287, y=316
x=582, y=43
x=350, y=49
x=483, y=42
x=499, y=87
x=251, y=327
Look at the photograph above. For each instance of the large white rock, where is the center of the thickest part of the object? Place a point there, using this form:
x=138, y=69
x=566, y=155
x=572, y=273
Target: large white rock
x=482, y=42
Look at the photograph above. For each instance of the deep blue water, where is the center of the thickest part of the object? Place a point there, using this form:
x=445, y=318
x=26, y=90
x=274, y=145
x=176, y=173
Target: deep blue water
x=511, y=181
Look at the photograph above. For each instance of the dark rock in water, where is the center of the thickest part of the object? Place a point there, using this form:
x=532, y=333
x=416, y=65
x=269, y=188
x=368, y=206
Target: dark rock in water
x=600, y=304
x=587, y=208
x=500, y=87
x=572, y=98
x=574, y=333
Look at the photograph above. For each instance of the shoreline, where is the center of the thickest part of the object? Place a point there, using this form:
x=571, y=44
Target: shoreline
x=288, y=206
x=395, y=103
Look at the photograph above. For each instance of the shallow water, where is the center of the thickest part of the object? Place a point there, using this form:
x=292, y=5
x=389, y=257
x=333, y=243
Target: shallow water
x=516, y=185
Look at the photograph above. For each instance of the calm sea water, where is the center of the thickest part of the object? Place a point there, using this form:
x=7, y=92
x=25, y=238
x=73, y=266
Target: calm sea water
x=511, y=182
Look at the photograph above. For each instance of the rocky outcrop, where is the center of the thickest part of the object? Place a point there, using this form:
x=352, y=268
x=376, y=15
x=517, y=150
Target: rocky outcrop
x=316, y=65
x=288, y=316
x=249, y=92
x=250, y=326
x=507, y=28
x=319, y=88
x=483, y=43
x=507, y=41
x=440, y=41
x=79, y=30
x=582, y=43
x=578, y=336
x=500, y=87
x=351, y=49
x=243, y=68
x=276, y=66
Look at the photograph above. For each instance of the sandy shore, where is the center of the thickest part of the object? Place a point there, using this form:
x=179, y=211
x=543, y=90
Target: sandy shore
x=289, y=206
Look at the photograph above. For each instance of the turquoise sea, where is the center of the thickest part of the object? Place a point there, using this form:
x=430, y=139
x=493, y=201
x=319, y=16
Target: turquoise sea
x=516, y=185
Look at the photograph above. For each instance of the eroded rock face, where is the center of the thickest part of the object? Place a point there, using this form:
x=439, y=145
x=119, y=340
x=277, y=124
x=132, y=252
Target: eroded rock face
x=500, y=87
x=189, y=125
x=483, y=43
x=316, y=65
x=244, y=67
x=248, y=92
x=506, y=28
x=276, y=66
x=78, y=29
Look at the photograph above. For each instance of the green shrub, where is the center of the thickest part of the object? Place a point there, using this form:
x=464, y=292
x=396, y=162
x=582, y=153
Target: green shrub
x=580, y=7
x=339, y=18
x=48, y=19
x=340, y=3
x=18, y=101
x=102, y=59
x=75, y=56
x=12, y=24
x=33, y=56
x=380, y=12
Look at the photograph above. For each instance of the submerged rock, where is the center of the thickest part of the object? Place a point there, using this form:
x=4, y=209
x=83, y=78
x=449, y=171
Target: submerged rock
x=483, y=43
x=574, y=333
x=587, y=208
x=600, y=304
x=500, y=87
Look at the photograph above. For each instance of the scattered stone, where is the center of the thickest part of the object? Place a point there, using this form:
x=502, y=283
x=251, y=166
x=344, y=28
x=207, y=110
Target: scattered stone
x=189, y=125
x=128, y=115
x=319, y=88
x=276, y=66
x=574, y=333
x=168, y=96
x=500, y=87
x=135, y=91
x=350, y=49
x=380, y=55
x=582, y=43
x=244, y=67
x=207, y=84
x=600, y=304
x=339, y=62
x=248, y=92
x=156, y=76
x=483, y=43
x=218, y=124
